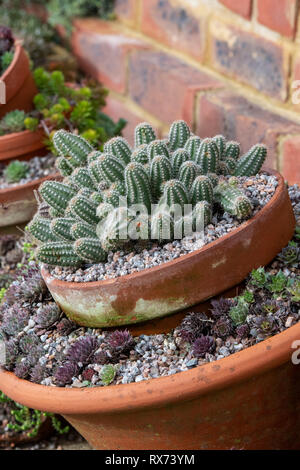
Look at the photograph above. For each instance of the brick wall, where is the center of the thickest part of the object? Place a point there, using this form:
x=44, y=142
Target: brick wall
x=225, y=66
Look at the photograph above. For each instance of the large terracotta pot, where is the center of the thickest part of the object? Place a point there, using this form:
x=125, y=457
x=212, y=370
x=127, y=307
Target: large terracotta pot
x=19, y=83
x=184, y=282
x=21, y=145
x=18, y=203
x=249, y=400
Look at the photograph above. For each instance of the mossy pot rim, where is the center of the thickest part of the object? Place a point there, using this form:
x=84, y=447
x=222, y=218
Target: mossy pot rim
x=156, y=392
x=182, y=259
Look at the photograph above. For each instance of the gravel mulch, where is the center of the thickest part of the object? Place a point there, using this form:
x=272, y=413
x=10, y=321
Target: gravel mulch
x=259, y=189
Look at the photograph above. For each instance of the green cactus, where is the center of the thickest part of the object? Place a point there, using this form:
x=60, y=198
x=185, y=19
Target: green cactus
x=202, y=190
x=202, y=215
x=140, y=155
x=178, y=158
x=57, y=195
x=119, y=147
x=233, y=200
x=138, y=185
x=58, y=254
x=208, y=157
x=40, y=229
x=82, y=179
x=178, y=135
x=63, y=166
x=73, y=147
x=109, y=168
x=61, y=228
x=84, y=209
x=83, y=230
x=250, y=163
x=162, y=226
x=144, y=134
x=160, y=172
x=92, y=211
x=187, y=173
x=89, y=249
x=157, y=148
x=220, y=142
x=175, y=193
x=192, y=146
x=233, y=150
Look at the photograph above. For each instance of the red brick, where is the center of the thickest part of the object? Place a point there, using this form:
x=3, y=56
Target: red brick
x=238, y=119
x=295, y=84
x=279, y=15
x=165, y=86
x=241, y=7
x=175, y=26
x=126, y=10
x=103, y=51
x=250, y=59
x=117, y=109
x=290, y=159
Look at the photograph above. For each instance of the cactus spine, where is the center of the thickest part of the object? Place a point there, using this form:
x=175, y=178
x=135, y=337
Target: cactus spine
x=233, y=200
x=178, y=135
x=144, y=134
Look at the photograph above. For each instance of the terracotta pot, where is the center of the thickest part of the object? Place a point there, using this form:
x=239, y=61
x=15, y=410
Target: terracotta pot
x=19, y=83
x=186, y=281
x=21, y=145
x=249, y=400
x=18, y=203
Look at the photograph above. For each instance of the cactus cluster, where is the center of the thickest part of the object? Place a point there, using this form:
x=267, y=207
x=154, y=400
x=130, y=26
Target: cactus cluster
x=149, y=192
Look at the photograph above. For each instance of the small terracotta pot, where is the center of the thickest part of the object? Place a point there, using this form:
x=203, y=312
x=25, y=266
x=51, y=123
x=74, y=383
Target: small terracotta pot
x=249, y=400
x=19, y=83
x=18, y=203
x=186, y=281
x=21, y=145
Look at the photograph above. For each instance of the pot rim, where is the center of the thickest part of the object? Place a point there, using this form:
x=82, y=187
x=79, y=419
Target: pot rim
x=155, y=393
x=57, y=283
x=21, y=187
x=38, y=133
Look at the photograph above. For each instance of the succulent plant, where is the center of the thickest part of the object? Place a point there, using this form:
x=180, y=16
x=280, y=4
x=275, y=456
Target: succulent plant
x=223, y=327
x=259, y=277
x=202, y=345
x=66, y=326
x=47, y=315
x=82, y=350
x=28, y=342
x=294, y=290
x=65, y=373
x=242, y=331
x=11, y=352
x=166, y=174
x=13, y=121
x=239, y=312
x=220, y=307
x=16, y=171
x=38, y=373
x=290, y=255
x=29, y=287
x=14, y=320
x=120, y=342
x=194, y=325
x=22, y=369
x=277, y=283
x=107, y=374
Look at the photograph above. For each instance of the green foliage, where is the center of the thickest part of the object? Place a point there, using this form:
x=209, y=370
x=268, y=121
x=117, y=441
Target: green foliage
x=239, y=312
x=29, y=421
x=277, y=283
x=259, y=277
x=12, y=122
x=294, y=290
x=5, y=61
x=88, y=209
x=74, y=108
x=16, y=171
x=108, y=374
x=62, y=13
x=2, y=293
